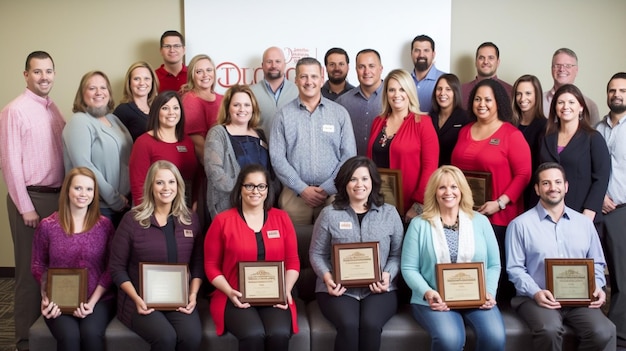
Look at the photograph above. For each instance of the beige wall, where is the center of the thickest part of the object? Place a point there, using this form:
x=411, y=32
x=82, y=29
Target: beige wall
x=84, y=35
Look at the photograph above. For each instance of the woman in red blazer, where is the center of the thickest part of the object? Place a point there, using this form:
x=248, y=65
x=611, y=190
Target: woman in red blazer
x=404, y=138
x=252, y=230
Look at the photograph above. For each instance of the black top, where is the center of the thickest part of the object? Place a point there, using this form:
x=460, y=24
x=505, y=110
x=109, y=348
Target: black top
x=533, y=133
x=380, y=149
x=133, y=118
x=448, y=133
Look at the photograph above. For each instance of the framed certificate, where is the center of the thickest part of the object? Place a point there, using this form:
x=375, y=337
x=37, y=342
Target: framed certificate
x=392, y=178
x=67, y=287
x=461, y=285
x=571, y=280
x=356, y=264
x=164, y=286
x=262, y=283
x=480, y=183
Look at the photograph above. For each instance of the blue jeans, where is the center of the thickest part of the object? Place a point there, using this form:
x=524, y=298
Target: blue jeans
x=447, y=329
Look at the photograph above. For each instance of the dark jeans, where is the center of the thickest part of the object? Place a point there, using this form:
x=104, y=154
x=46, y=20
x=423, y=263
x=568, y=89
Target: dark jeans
x=169, y=330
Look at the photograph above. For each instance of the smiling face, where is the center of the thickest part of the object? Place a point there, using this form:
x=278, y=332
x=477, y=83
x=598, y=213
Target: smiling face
x=422, y=55
x=253, y=198
x=368, y=69
x=204, y=75
x=337, y=68
x=568, y=109
x=551, y=187
x=397, y=97
x=444, y=94
x=273, y=64
x=487, y=62
x=164, y=187
x=172, y=50
x=359, y=187
x=484, y=105
x=240, y=109
x=96, y=96
x=616, y=95
x=81, y=192
x=140, y=82
x=525, y=96
x=40, y=76
x=564, y=69
x=448, y=193
x=309, y=81
x=169, y=114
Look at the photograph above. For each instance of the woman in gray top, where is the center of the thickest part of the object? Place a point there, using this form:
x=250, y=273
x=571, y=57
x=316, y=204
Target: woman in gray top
x=96, y=139
x=235, y=142
x=358, y=214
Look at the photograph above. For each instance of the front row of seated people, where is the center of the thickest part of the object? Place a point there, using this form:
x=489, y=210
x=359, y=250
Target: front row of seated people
x=163, y=229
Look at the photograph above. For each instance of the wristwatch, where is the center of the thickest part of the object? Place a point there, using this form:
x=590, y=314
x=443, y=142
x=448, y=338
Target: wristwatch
x=501, y=204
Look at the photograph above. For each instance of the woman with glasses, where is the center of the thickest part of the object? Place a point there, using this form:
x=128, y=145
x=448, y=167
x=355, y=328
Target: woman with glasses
x=236, y=141
x=252, y=230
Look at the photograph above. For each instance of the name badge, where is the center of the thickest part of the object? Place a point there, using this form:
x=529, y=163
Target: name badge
x=345, y=225
x=494, y=141
x=188, y=233
x=273, y=234
x=181, y=148
x=328, y=128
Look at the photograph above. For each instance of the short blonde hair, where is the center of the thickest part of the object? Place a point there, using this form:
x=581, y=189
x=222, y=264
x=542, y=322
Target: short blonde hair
x=431, y=206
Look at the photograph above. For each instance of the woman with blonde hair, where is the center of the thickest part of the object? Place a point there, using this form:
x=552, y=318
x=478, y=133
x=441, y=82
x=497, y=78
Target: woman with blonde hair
x=404, y=138
x=235, y=142
x=140, y=89
x=449, y=231
x=76, y=236
x=161, y=229
x=200, y=101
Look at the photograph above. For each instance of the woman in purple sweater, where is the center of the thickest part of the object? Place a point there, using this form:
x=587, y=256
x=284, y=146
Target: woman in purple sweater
x=76, y=236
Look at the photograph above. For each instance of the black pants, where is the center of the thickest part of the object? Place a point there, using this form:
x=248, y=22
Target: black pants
x=169, y=330
x=615, y=247
x=506, y=289
x=359, y=323
x=87, y=334
x=259, y=328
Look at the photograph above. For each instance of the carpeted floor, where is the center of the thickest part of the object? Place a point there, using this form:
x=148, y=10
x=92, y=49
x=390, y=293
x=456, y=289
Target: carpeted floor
x=7, y=331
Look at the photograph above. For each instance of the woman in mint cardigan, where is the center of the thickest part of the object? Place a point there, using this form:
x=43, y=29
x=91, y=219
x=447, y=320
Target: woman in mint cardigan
x=449, y=231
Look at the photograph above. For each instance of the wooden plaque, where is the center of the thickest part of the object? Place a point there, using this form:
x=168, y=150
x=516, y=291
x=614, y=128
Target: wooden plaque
x=570, y=280
x=164, y=286
x=262, y=283
x=67, y=287
x=462, y=285
x=356, y=264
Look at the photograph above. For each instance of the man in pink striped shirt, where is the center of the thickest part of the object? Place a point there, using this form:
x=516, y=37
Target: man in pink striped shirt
x=31, y=156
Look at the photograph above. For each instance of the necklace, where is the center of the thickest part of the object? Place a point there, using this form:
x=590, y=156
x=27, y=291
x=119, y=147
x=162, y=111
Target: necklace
x=385, y=138
x=454, y=226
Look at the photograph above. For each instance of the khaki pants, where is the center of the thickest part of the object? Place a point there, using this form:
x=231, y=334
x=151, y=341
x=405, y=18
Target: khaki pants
x=298, y=211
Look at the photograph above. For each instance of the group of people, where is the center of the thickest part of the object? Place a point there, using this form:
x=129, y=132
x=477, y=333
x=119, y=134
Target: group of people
x=142, y=182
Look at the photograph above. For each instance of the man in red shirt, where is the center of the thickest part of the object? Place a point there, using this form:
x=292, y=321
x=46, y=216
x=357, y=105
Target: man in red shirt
x=173, y=73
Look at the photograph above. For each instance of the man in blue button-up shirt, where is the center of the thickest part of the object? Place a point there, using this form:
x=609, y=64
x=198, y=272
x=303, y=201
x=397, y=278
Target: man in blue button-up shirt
x=553, y=230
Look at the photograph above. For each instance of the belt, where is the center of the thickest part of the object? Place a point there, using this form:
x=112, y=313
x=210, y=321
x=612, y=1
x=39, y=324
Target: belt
x=43, y=189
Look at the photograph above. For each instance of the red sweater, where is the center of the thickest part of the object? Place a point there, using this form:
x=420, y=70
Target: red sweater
x=200, y=115
x=230, y=240
x=506, y=155
x=148, y=150
x=414, y=150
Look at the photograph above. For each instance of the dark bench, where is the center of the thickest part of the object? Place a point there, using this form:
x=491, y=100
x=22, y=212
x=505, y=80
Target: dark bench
x=316, y=333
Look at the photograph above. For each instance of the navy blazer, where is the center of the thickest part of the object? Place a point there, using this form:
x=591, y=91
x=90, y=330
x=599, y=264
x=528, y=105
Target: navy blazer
x=587, y=167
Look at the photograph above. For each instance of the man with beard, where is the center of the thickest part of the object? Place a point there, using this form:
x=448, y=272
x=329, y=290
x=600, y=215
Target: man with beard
x=337, y=62
x=487, y=62
x=311, y=138
x=364, y=102
x=424, y=73
x=613, y=129
x=564, y=71
x=553, y=230
x=173, y=73
x=31, y=156
x=274, y=90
